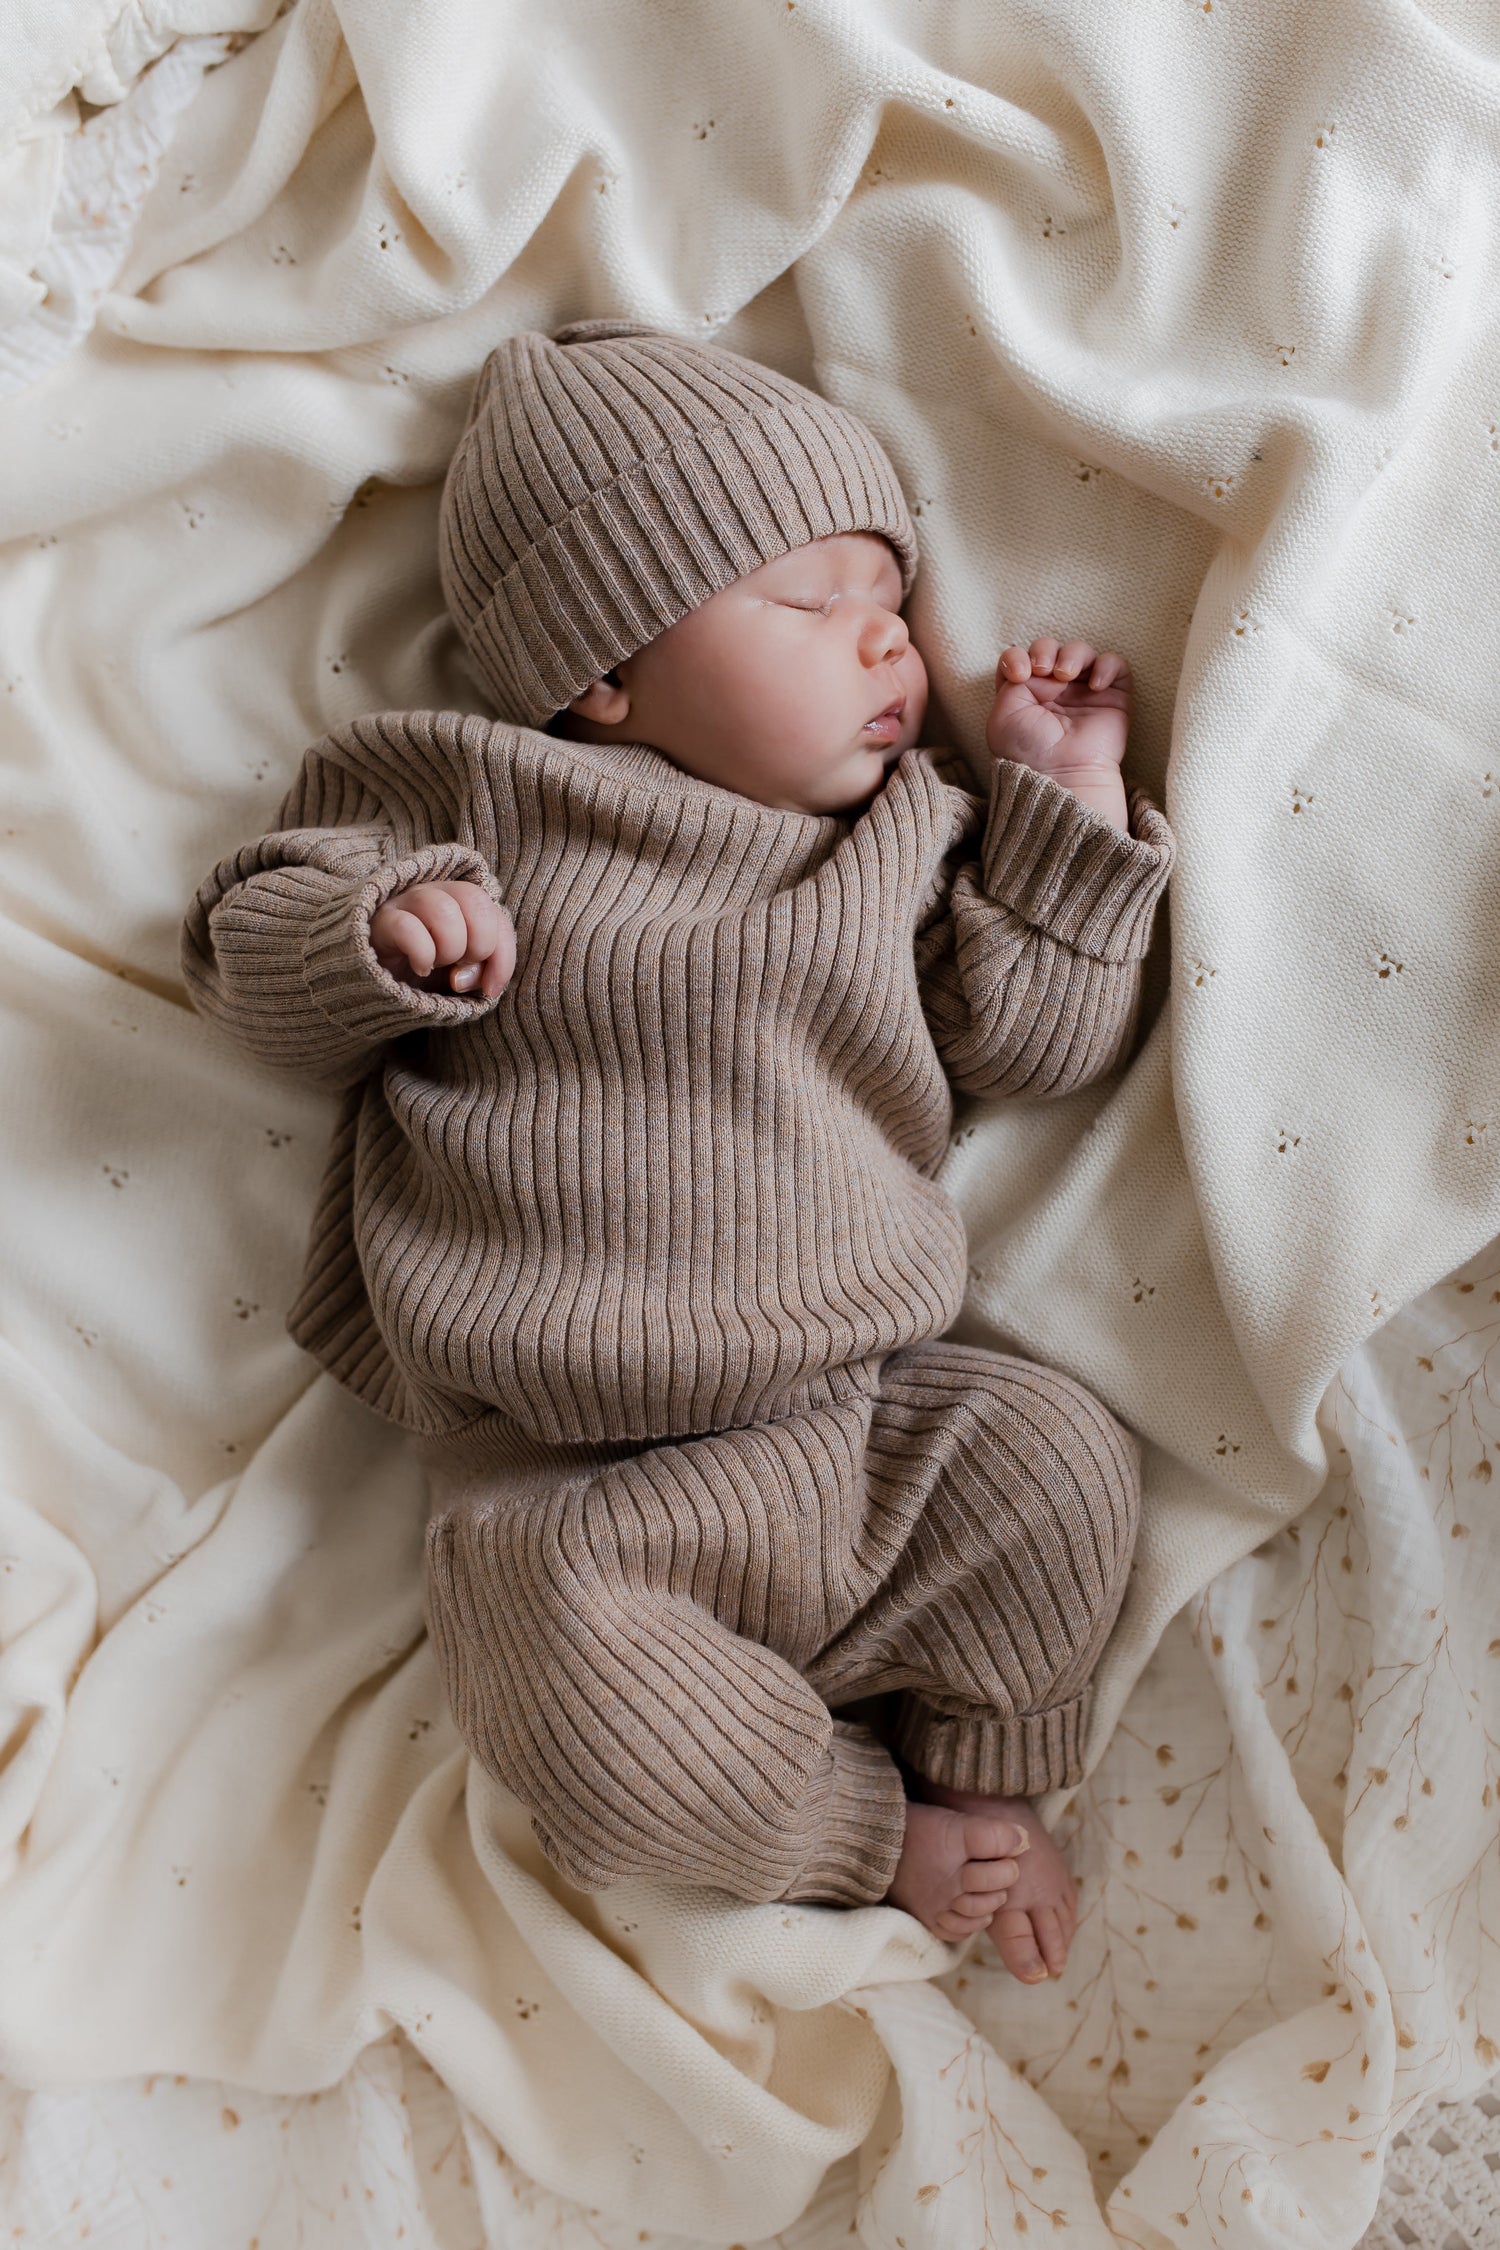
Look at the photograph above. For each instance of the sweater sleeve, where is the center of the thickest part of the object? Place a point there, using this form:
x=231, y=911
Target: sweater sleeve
x=276, y=946
x=1030, y=975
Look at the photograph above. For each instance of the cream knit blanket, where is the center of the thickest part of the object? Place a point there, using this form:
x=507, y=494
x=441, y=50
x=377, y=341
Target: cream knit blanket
x=1179, y=322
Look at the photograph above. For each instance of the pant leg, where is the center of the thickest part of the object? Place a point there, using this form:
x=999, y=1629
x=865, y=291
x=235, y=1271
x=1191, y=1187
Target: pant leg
x=1012, y=1497
x=608, y=1651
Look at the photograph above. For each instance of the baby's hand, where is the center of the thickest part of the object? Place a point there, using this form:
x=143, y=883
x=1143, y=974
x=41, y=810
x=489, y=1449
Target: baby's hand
x=1065, y=711
x=452, y=926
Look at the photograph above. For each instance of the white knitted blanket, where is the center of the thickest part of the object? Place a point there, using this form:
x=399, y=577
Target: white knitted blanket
x=1179, y=322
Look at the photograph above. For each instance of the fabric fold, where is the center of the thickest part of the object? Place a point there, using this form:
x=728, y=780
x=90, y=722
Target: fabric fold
x=218, y=517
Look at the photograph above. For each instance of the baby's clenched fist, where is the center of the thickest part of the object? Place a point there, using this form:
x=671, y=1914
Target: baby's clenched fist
x=454, y=927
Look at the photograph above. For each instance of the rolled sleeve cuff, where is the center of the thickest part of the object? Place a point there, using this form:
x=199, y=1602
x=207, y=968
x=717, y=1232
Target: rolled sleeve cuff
x=863, y=1829
x=345, y=981
x=1068, y=871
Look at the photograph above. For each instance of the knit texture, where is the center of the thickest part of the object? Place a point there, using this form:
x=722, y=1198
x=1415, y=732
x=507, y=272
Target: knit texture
x=676, y=1184
x=611, y=480
x=679, y=1175
x=652, y=1657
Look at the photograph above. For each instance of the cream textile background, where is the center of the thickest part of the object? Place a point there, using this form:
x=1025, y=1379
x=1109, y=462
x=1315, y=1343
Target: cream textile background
x=1179, y=324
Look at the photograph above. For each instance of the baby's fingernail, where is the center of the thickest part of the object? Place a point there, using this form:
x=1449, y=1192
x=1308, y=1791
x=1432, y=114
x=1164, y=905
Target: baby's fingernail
x=463, y=979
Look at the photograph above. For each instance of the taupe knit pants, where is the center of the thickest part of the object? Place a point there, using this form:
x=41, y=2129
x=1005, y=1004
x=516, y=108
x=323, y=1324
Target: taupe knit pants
x=648, y=1653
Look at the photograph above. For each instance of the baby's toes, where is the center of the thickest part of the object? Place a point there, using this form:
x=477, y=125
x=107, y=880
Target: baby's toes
x=994, y=1876
x=981, y=1906
x=965, y=1918
x=1053, y=1935
x=1015, y=1941
x=989, y=1837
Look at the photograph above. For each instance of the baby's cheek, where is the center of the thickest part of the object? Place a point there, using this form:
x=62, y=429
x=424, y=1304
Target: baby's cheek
x=914, y=680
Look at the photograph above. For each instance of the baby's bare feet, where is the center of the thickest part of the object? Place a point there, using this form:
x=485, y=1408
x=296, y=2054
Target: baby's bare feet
x=1034, y=1926
x=956, y=1868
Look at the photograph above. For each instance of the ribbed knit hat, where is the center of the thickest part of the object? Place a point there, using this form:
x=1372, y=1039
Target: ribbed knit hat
x=611, y=479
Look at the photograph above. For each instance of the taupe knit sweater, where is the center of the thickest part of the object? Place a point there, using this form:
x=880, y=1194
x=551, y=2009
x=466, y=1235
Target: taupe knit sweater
x=680, y=1174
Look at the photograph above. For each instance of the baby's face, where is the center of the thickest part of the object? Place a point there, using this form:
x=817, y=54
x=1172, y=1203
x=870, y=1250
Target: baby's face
x=797, y=686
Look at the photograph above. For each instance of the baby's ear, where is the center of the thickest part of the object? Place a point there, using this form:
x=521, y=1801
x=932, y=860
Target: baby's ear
x=606, y=702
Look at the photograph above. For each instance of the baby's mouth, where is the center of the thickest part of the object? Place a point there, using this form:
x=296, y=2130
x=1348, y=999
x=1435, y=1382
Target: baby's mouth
x=886, y=724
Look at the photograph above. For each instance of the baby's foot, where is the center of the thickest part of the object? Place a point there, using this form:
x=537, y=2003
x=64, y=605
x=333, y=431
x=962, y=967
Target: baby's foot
x=1035, y=1923
x=957, y=1867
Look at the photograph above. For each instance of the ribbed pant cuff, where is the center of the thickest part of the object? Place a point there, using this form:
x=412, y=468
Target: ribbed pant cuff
x=854, y=1862
x=995, y=1755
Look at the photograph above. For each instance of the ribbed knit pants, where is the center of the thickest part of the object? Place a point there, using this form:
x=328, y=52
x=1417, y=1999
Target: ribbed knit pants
x=650, y=1653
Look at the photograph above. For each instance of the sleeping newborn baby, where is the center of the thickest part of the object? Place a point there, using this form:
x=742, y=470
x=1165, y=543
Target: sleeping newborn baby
x=648, y=1000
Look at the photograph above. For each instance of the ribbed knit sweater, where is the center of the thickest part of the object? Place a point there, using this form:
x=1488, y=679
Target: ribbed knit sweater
x=679, y=1175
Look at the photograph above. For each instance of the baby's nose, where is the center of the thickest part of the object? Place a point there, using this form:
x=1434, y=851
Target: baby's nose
x=885, y=636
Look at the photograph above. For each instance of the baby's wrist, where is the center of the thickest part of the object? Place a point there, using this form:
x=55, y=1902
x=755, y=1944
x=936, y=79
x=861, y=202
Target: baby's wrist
x=1067, y=770
x=1096, y=783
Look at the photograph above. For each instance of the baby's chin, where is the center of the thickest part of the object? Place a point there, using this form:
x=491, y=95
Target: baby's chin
x=865, y=785
x=846, y=783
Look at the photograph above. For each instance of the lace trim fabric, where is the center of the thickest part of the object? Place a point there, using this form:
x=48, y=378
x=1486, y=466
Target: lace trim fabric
x=1442, y=2180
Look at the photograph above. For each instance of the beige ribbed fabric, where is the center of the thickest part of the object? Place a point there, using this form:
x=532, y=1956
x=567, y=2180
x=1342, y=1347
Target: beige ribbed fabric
x=651, y=1252
x=612, y=479
x=649, y=1656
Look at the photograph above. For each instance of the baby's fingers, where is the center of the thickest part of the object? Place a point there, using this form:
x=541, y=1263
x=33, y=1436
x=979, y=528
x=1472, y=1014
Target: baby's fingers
x=481, y=919
x=402, y=937
x=1043, y=653
x=1014, y=667
x=1071, y=659
x=1108, y=669
x=435, y=909
x=490, y=954
x=490, y=976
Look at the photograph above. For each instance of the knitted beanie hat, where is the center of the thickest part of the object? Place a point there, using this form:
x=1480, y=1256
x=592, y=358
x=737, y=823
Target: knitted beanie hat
x=612, y=478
